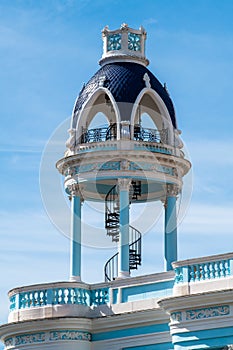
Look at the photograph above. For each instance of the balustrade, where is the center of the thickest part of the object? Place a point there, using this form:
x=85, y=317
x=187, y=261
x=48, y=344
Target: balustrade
x=204, y=270
x=59, y=296
x=107, y=133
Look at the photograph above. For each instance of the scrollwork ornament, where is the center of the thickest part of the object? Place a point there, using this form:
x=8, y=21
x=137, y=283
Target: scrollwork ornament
x=172, y=190
x=76, y=189
x=125, y=164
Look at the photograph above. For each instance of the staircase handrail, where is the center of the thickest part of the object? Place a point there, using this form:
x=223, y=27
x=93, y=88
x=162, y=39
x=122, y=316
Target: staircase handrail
x=107, y=277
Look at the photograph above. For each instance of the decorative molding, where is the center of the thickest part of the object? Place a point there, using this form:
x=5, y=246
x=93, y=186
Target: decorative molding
x=70, y=171
x=176, y=316
x=208, y=312
x=9, y=342
x=84, y=168
x=151, y=167
x=172, y=190
x=29, y=338
x=124, y=184
x=109, y=166
x=45, y=337
x=125, y=164
x=74, y=189
x=69, y=335
x=146, y=78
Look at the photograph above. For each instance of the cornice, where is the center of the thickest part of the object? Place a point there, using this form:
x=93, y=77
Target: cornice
x=179, y=303
x=48, y=324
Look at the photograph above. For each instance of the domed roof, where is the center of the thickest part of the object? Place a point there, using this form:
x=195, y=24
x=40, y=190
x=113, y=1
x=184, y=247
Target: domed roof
x=125, y=81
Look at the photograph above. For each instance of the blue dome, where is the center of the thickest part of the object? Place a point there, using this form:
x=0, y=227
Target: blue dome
x=125, y=81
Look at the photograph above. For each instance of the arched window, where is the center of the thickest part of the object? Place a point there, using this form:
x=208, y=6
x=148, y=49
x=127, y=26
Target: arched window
x=146, y=129
x=99, y=130
x=99, y=121
x=147, y=122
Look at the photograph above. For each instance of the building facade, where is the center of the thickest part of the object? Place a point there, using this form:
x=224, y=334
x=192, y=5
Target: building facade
x=135, y=157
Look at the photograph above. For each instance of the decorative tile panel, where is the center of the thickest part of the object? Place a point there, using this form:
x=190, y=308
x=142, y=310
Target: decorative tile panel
x=208, y=312
x=30, y=338
x=69, y=335
x=45, y=337
x=176, y=316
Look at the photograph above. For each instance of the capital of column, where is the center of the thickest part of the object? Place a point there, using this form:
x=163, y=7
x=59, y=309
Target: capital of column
x=124, y=184
x=172, y=190
x=75, y=189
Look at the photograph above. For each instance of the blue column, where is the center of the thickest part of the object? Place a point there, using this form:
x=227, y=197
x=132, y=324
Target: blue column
x=170, y=239
x=75, y=234
x=123, y=260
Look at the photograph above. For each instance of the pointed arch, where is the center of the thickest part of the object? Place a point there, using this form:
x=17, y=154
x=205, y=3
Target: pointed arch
x=149, y=102
x=101, y=101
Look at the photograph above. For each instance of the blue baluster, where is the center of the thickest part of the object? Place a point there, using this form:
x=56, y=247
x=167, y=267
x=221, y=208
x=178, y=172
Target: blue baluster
x=192, y=273
x=69, y=295
x=208, y=272
x=223, y=268
x=202, y=271
x=197, y=272
x=229, y=267
x=212, y=270
x=218, y=268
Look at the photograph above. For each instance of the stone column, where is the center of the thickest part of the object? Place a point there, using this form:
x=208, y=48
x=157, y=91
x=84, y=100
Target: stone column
x=123, y=260
x=170, y=234
x=75, y=233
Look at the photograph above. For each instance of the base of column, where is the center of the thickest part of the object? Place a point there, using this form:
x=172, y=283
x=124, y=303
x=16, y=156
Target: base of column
x=123, y=274
x=75, y=279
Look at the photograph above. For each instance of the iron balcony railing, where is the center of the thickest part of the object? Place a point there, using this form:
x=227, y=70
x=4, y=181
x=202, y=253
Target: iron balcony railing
x=145, y=134
x=99, y=134
x=110, y=133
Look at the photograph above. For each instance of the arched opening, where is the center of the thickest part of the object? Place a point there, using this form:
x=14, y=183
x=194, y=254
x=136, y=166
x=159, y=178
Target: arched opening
x=146, y=129
x=149, y=123
x=99, y=129
x=97, y=122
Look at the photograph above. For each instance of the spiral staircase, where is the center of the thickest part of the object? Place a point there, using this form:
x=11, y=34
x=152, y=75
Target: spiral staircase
x=112, y=225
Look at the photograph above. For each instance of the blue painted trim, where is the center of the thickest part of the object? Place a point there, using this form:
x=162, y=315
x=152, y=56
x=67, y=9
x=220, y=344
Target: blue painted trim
x=170, y=239
x=147, y=291
x=203, y=339
x=114, y=296
x=152, y=148
x=124, y=232
x=75, y=241
x=131, y=332
x=160, y=346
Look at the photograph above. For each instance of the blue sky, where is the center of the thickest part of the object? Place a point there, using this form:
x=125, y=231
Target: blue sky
x=48, y=50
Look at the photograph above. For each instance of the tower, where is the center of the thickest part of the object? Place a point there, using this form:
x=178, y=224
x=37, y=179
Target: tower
x=125, y=161
x=135, y=158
